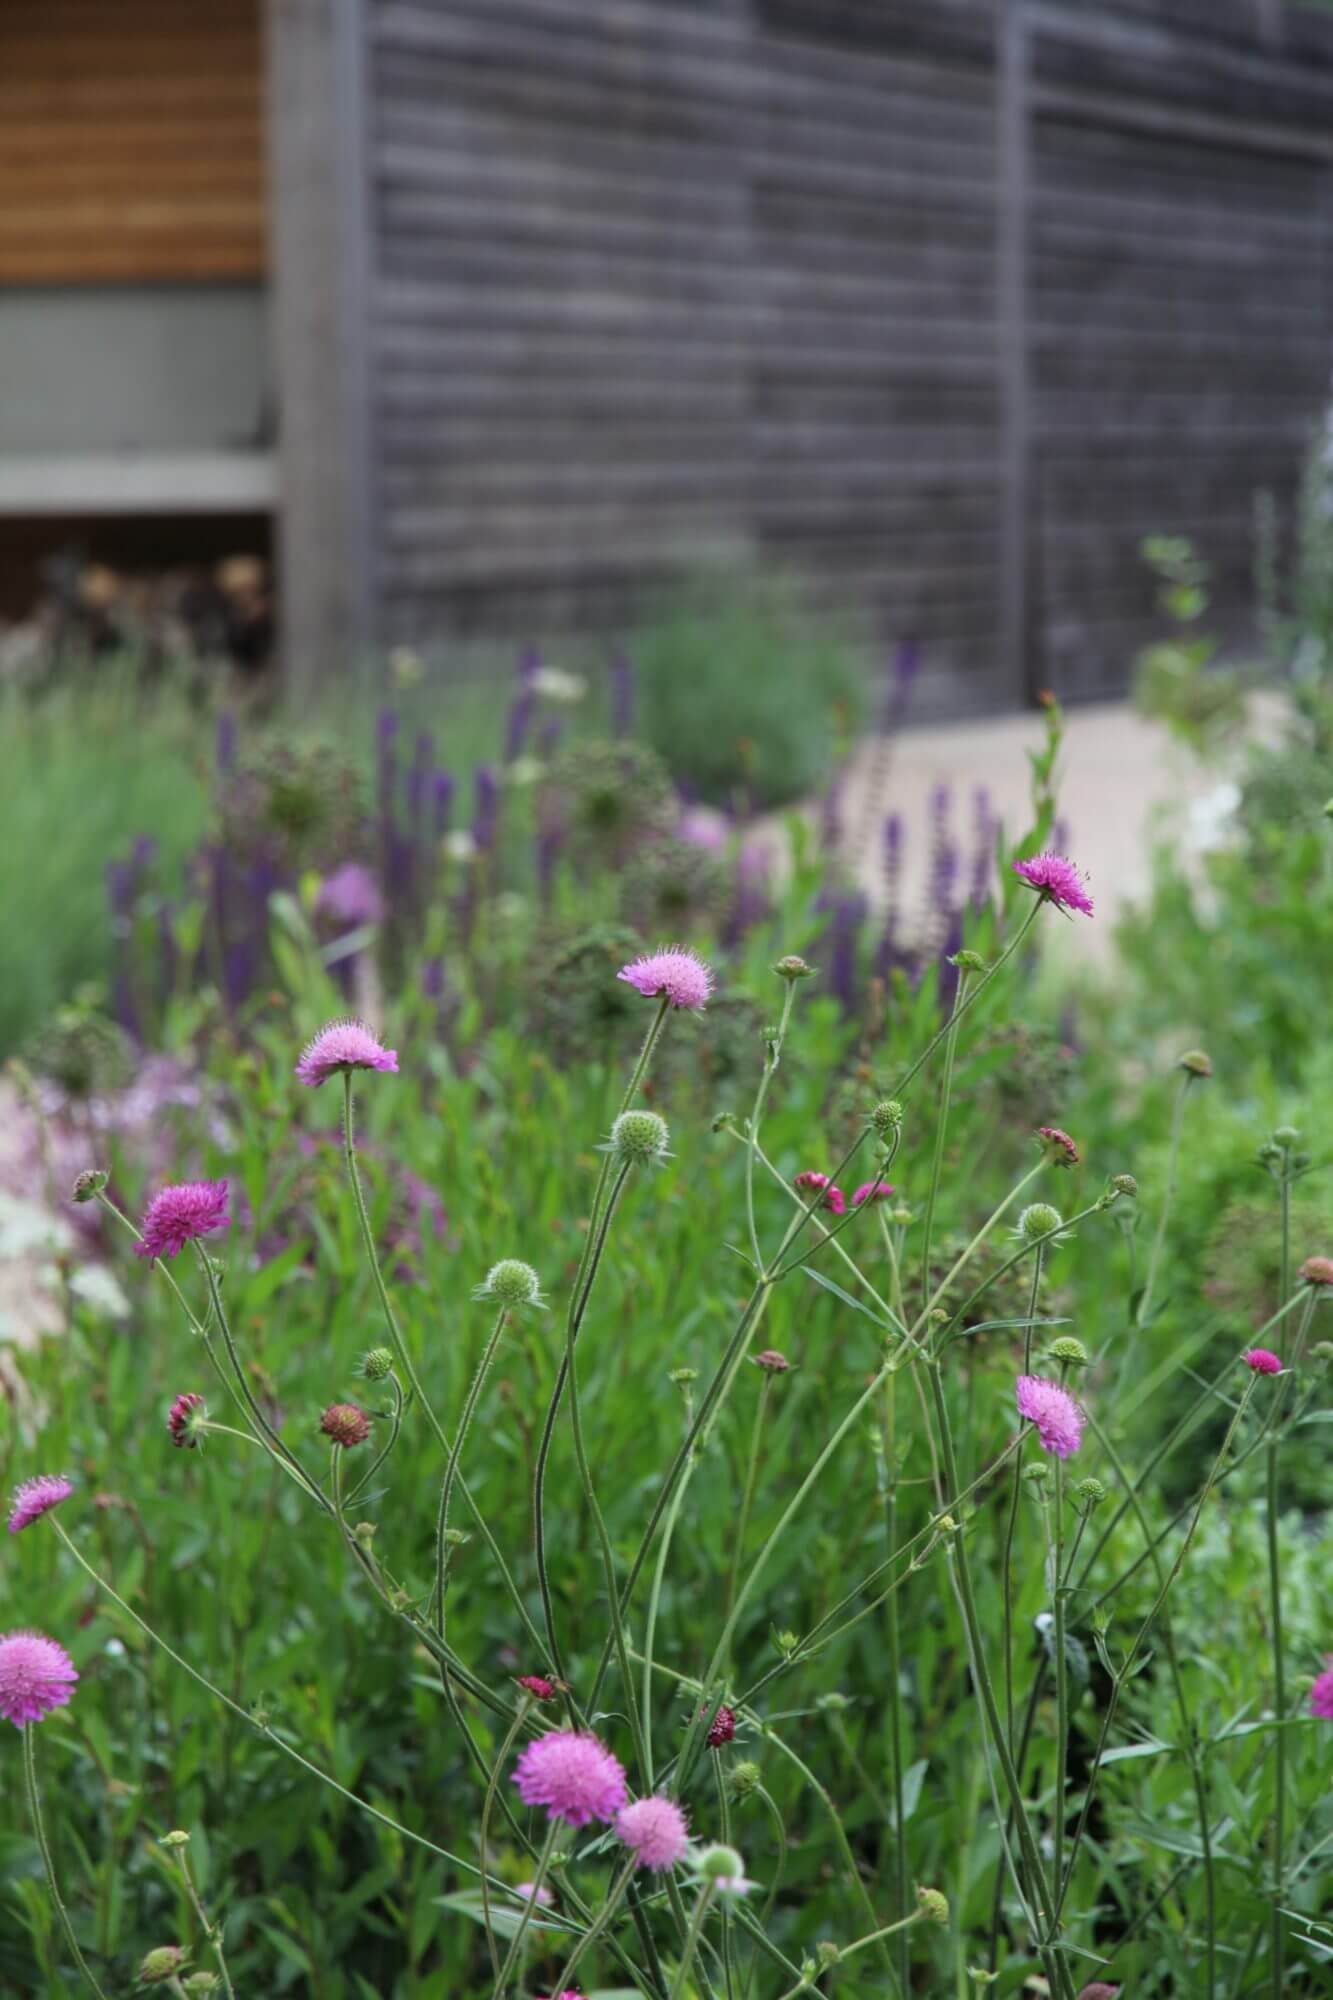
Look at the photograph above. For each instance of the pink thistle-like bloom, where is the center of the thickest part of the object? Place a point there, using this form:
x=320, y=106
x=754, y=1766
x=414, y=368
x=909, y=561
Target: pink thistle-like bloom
x=1058, y=1418
x=341, y=1047
x=673, y=973
x=722, y=1728
x=37, y=1497
x=538, y=1686
x=180, y=1420
x=346, y=1423
x=1098, y=1989
x=656, y=1831
x=812, y=1183
x=1317, y=1271
x=574, y=1776
x=1263, y=1361
x=770, y=1359
x=36, y=1675
x=535, y=1892
x=1059, y=1148
x=1321, y=1694
x=1056, y=880
x=181, y=1214
x=872, y=1191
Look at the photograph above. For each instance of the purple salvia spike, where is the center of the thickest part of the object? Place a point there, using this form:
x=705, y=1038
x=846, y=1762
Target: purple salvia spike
x=848, y=915
x=905, y=663
x=486, y=807
x=548, y=741
x=442, y=798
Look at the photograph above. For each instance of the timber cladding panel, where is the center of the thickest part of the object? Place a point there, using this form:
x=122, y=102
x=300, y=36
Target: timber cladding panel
x=131, y=141
x=659, y=282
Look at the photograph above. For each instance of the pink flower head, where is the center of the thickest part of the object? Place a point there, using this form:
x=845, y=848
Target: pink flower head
x=574, y=1776
x=811, y=1183
x=534, y=1892
x=36, y=1676
x=346, y=1423
x=181, y=1214
x=674, y=973
x=656, y=1831
x=1058, y=1418
x=182, y=1422
x=1056, y=880
x=37, y=1497
x=772, y=1361
x=1263, y=1361
x=350, y=895
x=1321, y=1694
x=872, y=1191
x=341, y=1047
x=722, y=1728
x=538, y=1686
x=1317, y=1271
x=1059, y=1148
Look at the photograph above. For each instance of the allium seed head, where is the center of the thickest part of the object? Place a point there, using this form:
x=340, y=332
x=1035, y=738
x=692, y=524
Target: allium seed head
x=573, y=1776
x=338, y=1049
x=36, y=1675
x=181, y=1214
x=1263, y=1361
x=654, y=1830
x=640, y=1135
x=674, y=974
x=1058, y=1418
x=511, y=1284
x=36, y=1497
x=1056, y=880
x=346, y=1423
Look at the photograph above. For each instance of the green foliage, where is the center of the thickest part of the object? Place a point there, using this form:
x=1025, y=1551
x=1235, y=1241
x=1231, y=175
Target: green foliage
x=1176, y=680
x=744, y=695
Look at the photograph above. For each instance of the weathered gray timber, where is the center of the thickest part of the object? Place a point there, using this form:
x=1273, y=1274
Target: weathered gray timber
x=940, y=307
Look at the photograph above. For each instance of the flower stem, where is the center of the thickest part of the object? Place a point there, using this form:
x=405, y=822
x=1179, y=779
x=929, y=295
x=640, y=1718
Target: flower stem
x=700, y=1911
x=451, y=1468
x=213, y=1932
x=1159, y=1239
x=747, y=1494
x=889, y=1464
x=483, y=1836
x=28, y=1733
x=1007, y=1558
x=599, y=1922
x=529, y=1905
x=941, y=1130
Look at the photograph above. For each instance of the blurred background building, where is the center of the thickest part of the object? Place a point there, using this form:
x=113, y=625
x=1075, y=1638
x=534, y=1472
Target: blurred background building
x=487, y=317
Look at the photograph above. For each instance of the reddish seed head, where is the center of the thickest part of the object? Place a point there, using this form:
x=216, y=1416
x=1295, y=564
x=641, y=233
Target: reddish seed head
x=37, y=1497
x=672, y=973
x=340, y=1048
x=1059, y=1147
x=1263, y=1361
x=180, y=1420
x=775, y=1363
x=181, y=1214
x=346, y=1424
x=1317, y=1271
x=1057, y=880
x=36, y=1675
x=538, y=1686
x=809, y=1183
x=722, y=1728
x=872, y=1191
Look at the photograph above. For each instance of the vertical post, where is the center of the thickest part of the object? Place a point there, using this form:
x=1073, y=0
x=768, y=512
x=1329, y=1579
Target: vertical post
x=353, y=166
x=1013, y=139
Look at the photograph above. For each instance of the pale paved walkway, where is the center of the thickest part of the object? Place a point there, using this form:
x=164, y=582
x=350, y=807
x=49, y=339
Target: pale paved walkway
x=1119, y=777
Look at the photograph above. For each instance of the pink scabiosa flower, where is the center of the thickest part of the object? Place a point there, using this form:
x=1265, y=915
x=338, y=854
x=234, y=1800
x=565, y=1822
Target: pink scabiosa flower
x=574, y=1776
x=1321, y=1694
x=37, y=1497
x=182, y=1422
x=872, y=1191
x=770, y=1360
x=36, y=1675
x=1263, y=1361
x=673, y=973
x=654, y=1828
x=340, y=1048
x=1056, y=881
x=812, y=1183
x=346, y=1423
x=1058, y=1418
x=535, y=1892
x=1317, y=1271
x=538, y=1686
x=1057, y=1145
x=181, y=1214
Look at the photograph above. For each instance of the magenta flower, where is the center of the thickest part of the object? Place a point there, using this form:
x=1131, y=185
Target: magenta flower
x=538, y=1686
x=535, y=1892
x=674, y=973
x=346, y=1423
x=1056, y=880
x=37, y=1497
x=1263, y=1361
x=812, y=1183
x=182, y=1422
x=574, y=1776
x=1321, y=1694
x=872, y=1191
x=1317, y=1271
x=655, y=1829
x=1058, y=1418
x=1059, y=1148
x=771, y=1360
x=36, y=1676
x=341, y=1047
x=350, y=895
x=722, y=1729
x=181, y=1214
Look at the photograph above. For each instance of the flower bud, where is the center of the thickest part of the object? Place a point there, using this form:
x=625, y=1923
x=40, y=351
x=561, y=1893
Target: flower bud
x=745, y=1778
x=682, y=1377
x=1316, y=1271
x=377, y=1364
x=771, y=1361
x=720, y=1864
x=1037, y=1220
x=89, y=1184
x=1195, y=1063
x=832, y=1703
x=826, y=1954
x=968, y=961
x=640, y=1136
x=787, y=1642
x=791, y=968
x=1089, y=1493
x=1069, y=1350
x=1037, y=1473
x=161, y=1964
x=1125, y=1184
x=174, y=1839
x=934, y=1904
x=1287, y=1136
x=202, y=1982
x=887, y=1118
x=511, y=1284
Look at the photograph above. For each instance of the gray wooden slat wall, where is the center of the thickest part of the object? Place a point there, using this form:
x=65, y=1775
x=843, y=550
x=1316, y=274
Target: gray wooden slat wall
x=656, y=283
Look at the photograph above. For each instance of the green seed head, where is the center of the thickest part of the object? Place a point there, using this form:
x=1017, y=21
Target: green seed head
x=89, y=1184
x=1125, y=1184
x=1066, y=1348
x=1195, y=1063
x=174, y=1839
x=721, y=1864
x=513, y=1284
x=640, y=1135
x=887, y=1118
x=791, y=967
x=377, y=1364
x=935, y=1904
x=744, y=1779
x=162, y=1964
x=1089, y=1493
x=968, y=961
x=1039, y=1219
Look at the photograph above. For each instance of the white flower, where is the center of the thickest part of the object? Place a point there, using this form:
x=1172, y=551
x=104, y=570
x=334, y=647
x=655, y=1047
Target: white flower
x=459, y=845
x=554, y=684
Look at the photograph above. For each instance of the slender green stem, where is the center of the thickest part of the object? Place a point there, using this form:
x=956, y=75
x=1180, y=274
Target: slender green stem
x=966, y=1255
x=530, y=1902
x=807, y=1985
x=1159, y=1238
x=1277, y=1952
x=395, y=1425
x=213, y=1932
x=451, y=1468
x=1011, y=1524
x=483, y=1837
x=700, y=1911
x=771, y=1060
x=273, y=1443
x=654, y=1602
x=599, y=1923
x=747, y=1493
x=889, y=1474
x=1061, y=1683
x=29, y=1735
x=724, y=1822
x=941, y=1130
